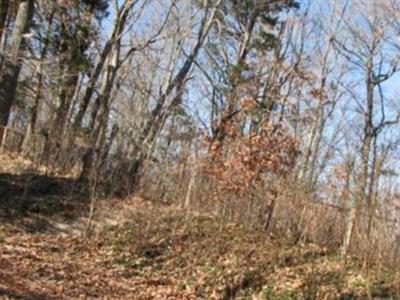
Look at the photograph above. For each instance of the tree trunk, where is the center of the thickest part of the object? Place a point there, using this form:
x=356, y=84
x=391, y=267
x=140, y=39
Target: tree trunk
x=4, y=5
x=65, y=99
x=192, y=181
x=12, y=66
x=31, y=128
x=360, y=194
x=102, y=103
x=4, y=12
x=115, y=39
x=160, y=113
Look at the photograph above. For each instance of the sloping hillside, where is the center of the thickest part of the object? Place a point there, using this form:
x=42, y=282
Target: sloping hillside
x=152, y=252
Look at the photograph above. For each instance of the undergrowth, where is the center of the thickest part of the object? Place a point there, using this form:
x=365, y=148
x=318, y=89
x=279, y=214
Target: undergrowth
x=210, y=260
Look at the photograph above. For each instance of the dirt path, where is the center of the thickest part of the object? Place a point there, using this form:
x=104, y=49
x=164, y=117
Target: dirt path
x=61, y=264
x=47, y=267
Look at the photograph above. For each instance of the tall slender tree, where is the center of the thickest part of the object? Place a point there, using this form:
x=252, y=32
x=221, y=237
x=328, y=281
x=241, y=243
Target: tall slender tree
x=12, y=65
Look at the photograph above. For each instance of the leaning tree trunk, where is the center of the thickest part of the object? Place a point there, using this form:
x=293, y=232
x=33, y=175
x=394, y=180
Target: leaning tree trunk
x=161, y=111
x=98, y=123
x=113, y=42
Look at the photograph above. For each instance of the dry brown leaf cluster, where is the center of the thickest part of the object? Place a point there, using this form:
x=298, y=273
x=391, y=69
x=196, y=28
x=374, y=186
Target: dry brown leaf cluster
x=246, y=162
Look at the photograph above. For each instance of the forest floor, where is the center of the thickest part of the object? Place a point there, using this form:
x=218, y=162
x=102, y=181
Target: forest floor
x=138, y=250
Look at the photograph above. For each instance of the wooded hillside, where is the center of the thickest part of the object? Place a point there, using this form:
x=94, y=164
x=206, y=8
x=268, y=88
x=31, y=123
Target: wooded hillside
x=278, y=116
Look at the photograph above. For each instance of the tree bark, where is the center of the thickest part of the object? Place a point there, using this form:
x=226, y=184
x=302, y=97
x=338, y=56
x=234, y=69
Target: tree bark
x=4, y=5
x=12, y=65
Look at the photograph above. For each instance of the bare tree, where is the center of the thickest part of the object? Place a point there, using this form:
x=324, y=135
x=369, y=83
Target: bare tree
x=365, y=49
